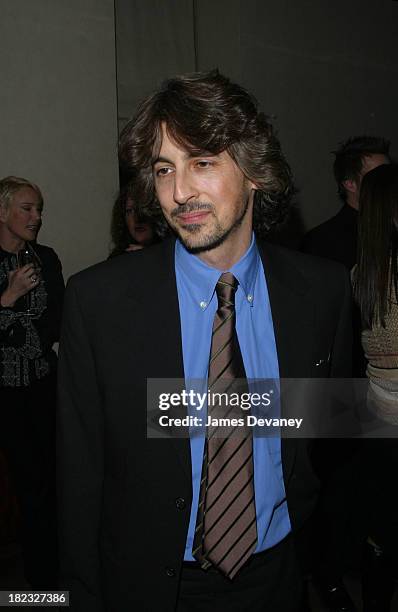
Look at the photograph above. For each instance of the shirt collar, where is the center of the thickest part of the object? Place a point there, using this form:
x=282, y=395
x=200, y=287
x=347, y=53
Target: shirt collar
x=200, y=279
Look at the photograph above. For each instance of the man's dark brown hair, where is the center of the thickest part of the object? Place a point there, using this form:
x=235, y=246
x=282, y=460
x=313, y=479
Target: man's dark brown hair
x=350, y=155
x=206, y=113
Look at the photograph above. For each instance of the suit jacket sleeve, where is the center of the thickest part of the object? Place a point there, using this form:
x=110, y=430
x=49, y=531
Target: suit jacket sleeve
x=79, y=461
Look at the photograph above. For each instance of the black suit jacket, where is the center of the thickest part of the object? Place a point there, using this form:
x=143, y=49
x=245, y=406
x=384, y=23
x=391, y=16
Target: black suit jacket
x=124, y=501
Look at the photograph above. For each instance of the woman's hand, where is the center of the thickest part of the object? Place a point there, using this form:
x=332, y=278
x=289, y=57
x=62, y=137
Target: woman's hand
x=20, y=282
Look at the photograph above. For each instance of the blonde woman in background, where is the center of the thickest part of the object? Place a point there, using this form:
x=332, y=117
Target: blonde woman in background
x=31, y=297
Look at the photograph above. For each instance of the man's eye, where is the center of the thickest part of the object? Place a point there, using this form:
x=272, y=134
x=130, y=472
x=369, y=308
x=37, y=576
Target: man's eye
x=203, y=163
x=163, y=171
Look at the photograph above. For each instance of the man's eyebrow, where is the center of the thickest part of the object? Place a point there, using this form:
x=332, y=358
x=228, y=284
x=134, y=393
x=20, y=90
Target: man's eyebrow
x=188, y=155
x=161, y=159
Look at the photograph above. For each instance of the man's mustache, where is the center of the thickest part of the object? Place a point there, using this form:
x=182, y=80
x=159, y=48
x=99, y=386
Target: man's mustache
x=191, y=207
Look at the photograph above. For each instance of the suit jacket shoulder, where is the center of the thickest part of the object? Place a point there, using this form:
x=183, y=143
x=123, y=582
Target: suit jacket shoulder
x=336, y=238
x=133, y=272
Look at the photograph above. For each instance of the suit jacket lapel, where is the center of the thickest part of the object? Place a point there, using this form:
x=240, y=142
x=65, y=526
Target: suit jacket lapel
x=292, y=313
x=165, y=333
x=292, y=316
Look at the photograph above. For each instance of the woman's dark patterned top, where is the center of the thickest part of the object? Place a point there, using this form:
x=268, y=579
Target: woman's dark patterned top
x=26, y=340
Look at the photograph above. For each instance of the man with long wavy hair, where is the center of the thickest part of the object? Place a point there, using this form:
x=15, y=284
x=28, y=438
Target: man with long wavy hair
x=135, y=512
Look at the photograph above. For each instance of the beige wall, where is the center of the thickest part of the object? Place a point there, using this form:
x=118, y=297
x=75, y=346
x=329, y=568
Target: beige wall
x=155, y=40
x=322, y=70
x=58, y=112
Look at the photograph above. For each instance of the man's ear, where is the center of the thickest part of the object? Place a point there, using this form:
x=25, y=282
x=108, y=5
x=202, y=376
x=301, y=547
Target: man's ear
x=252, y=190
x=3, y=213
x=252, y=185
x=350, y=185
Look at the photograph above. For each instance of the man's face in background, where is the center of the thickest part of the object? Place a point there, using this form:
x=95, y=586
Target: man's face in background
x=353, y=187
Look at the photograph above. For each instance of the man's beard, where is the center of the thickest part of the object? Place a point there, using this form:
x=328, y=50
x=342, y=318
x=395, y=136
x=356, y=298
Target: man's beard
x=214, y=239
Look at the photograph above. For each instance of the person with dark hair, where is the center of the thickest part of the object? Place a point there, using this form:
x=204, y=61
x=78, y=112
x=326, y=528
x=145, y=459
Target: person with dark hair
x=376, y=274
x=337, y=238
x=200, y=522
x=376, y=291
x=31, y=295
x=130, y=229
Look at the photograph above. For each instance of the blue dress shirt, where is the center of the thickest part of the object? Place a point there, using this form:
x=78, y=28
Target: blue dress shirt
x=196, y=283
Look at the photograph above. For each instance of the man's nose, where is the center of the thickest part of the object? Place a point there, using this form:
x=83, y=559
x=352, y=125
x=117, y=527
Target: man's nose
x=184, y=187
x=36, y=214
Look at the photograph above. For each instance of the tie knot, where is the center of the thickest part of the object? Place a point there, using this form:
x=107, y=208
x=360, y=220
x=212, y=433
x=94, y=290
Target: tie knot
x=226, y=287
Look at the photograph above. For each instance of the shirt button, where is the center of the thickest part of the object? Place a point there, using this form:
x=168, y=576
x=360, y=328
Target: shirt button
x=180, y=503
x=170, y=572
x=250, y=297
x=203, y=305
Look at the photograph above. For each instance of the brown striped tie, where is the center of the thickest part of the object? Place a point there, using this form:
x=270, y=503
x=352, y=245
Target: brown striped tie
x=226, y=529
